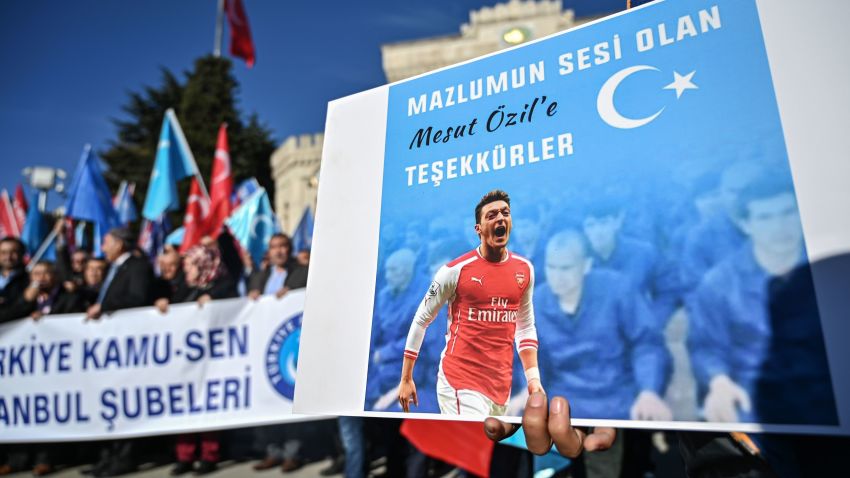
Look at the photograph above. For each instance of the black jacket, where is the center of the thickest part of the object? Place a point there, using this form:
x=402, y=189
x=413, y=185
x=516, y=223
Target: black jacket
x=296, y=278
x=224, y=287
x=131, y=287
x=64, y=303
x=10, y=294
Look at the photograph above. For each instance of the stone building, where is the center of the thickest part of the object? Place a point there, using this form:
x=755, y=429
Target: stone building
x=295, y=164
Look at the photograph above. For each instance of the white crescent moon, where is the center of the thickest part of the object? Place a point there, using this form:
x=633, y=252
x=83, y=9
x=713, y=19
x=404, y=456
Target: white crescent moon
x=605, y=100
x=260, y=218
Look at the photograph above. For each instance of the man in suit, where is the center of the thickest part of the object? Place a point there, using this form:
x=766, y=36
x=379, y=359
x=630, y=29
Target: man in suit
x=128, y=282
x=283, y=273
x=13, y=277
x=283, y=443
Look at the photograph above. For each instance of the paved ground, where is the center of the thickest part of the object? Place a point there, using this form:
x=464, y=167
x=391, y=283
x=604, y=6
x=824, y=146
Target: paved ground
x=226, y=470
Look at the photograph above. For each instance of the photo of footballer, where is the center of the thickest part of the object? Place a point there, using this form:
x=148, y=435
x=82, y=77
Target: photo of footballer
x=489, y=294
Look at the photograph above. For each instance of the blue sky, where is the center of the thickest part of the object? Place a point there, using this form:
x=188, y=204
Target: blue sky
x=68, y=65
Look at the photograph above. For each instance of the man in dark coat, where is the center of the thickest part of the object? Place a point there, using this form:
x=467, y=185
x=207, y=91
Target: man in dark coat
x=13, y=277
x=45, y=295
x=128, y=284
x=283, y=273
x=129, y=280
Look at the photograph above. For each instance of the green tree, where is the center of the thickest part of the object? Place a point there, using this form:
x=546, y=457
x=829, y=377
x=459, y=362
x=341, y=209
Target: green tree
x=202, y=102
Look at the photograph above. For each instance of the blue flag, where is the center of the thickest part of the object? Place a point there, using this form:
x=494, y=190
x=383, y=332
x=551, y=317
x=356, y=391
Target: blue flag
x=176, y=237
x=152, y=236
x=244, y=190
x=253, y=224
x=35, y=227
x=89, y=198
x=123, y=202
x=174, y=161
x=302, y=239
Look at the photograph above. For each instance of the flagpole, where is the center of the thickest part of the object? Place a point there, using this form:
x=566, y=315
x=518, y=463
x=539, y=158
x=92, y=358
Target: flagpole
x=219, y=29
x=43, y=248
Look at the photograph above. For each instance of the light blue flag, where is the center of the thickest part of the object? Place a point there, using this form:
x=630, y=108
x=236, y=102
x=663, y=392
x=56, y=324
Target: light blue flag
x=253, y=224
x=302, y=238
x=174, y=161
x=35, y=227
x=176, y=237
x=89, y=198
x=123, y=203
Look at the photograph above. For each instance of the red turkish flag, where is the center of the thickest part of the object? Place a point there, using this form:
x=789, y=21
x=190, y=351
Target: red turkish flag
x=20, y=207
x=8, y=222
x=195, y=220
x=221, y=186
x=462, y=444
x=240, y=33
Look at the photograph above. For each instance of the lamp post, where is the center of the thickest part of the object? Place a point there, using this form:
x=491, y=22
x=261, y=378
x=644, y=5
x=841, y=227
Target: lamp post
x=45, y=179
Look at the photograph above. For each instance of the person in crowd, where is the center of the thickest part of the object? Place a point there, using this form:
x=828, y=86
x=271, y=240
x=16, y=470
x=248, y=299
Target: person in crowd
x=171, y=281
x=755, y=337
x=616, y=352
x=717, y=236
x=282, y=274
x=205, y=279
x=70, y=264
x=282, y=443
x=303, y=257
x=45, y=295
x=610, y=249
x=93, y=275
x=128, y=284
x=396, y=303
x=13, y=277
x=129, y=281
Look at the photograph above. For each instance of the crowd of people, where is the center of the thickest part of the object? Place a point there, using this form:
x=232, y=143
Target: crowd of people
x=729, y=256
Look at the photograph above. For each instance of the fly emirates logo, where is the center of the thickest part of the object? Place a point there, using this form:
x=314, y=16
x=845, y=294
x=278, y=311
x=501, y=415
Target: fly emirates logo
x=498, y=312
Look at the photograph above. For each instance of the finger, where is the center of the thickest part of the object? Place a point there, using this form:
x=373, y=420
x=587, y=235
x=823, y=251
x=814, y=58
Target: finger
x=534, y=423
x=568, y=440
x=602, y=438
x=415, y=398
x=404, y=406
x=497, y=430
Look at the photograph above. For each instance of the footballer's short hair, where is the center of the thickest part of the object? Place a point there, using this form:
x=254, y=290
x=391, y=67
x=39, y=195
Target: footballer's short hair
x=492, y=196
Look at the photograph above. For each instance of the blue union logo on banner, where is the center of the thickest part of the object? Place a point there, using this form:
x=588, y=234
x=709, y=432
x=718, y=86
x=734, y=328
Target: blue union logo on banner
x=282, y=356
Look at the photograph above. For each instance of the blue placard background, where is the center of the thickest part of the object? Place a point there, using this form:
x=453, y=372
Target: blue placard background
x=675, y=181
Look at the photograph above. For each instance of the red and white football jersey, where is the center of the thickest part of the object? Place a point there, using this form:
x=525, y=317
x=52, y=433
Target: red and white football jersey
x=490, y=311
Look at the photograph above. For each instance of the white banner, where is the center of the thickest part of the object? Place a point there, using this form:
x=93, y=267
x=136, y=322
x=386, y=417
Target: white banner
x=140, y=372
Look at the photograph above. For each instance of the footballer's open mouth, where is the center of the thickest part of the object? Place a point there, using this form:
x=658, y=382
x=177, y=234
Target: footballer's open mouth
x=500, y=231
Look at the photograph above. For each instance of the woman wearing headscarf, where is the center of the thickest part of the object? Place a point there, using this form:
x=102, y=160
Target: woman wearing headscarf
x=205, y=279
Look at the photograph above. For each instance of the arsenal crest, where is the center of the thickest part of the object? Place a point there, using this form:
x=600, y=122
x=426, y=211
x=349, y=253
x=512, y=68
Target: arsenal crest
x=520, y=279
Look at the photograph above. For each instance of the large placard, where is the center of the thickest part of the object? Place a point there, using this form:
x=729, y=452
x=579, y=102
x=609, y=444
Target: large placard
x=667, y=225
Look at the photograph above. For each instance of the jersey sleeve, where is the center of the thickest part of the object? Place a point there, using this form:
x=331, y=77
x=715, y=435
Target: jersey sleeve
x=526, y=332
x=442, y=289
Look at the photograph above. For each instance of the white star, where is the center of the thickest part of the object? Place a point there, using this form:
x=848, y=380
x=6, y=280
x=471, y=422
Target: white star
x=164, y=144
x=681, y=83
